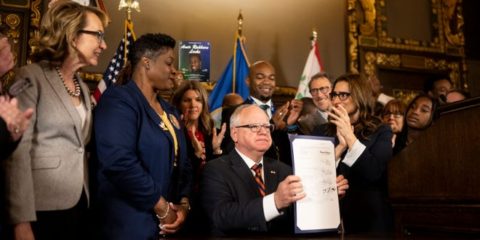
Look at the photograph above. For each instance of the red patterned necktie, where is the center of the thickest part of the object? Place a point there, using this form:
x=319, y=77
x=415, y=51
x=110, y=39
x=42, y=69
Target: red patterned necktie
x=257, y=168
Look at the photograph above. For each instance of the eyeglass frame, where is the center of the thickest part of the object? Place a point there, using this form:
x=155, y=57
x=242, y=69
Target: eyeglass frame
x=324, y=90
x=395, y=115
x=99, y=34
x=342, y=96
x=267, y=127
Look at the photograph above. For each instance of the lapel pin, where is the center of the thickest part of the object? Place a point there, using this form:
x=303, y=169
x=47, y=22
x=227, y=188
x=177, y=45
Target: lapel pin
x=273, y=172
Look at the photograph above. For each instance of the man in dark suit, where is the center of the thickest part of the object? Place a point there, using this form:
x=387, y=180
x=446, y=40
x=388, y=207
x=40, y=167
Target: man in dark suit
x=231, y=195
x=242, y=198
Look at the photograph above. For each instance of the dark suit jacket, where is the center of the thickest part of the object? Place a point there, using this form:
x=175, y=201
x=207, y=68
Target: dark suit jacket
x=231, y=199
x=365, y=207
x=136, y=163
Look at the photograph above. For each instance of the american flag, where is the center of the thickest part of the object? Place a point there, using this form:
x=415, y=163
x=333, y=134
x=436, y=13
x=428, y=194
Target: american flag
x=117, y=62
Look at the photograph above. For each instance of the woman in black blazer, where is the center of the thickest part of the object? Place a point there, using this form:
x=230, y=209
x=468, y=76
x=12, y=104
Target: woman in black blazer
x=363, y=149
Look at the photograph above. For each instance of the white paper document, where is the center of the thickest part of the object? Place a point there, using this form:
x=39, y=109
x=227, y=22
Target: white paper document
x=314, y=163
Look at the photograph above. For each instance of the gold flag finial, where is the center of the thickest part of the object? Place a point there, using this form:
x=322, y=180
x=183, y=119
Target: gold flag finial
x=240, y=22
x=129, y=5
x=314, y=35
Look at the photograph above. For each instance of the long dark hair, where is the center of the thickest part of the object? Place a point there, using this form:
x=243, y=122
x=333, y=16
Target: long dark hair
x=361, y=94
x=401, y=140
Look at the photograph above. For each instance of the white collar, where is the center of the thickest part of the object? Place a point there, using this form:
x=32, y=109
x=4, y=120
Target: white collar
x=259, y=103
x=248, y=160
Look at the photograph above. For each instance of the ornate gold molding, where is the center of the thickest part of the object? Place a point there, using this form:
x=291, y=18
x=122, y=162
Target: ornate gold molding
x=13, y=22
x=34, y=32
x=435, y=45
x=373, y=60
x=453, y=26
x=352, y=34
x=370, y=15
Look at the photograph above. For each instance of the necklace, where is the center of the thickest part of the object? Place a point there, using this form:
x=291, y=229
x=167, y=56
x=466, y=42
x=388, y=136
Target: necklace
x=75, y=93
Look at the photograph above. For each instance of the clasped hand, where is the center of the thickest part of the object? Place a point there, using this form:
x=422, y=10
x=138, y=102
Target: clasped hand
x=291, y=108
x=173, y=220
x=16, y=120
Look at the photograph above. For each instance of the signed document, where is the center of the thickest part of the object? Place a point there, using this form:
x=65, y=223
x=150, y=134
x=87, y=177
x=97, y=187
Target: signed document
x=314, y=162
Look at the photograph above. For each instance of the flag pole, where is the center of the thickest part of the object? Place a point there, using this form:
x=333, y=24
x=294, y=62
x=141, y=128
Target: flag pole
x=238, y=35
x=129, y=5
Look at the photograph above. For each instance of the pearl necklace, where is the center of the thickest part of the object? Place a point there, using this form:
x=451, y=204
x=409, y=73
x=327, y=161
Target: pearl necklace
x=75, y=82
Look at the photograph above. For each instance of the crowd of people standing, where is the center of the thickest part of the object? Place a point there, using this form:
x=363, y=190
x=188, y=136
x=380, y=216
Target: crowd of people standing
x=147, y=166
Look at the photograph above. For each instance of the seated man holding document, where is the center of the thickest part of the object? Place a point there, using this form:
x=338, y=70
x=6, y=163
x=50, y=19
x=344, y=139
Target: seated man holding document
x=244, y=192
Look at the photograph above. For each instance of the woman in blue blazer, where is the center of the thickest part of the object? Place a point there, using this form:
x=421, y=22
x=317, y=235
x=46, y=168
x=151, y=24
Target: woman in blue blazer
x=144, y=175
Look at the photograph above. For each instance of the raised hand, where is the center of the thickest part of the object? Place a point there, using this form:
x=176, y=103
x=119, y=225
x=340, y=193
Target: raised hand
x=218, y=138
x=341, y=147
x=197, y=144
x=296, y=107
x=278, y=117
x=339, y=117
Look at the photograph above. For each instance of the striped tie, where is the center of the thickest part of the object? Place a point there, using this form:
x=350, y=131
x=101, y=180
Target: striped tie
x=257, y=168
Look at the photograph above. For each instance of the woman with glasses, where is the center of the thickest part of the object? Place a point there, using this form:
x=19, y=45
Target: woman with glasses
x=363, y=148
x=144, y=175
x=420, y=114
x=47, y=186
x=393, y=115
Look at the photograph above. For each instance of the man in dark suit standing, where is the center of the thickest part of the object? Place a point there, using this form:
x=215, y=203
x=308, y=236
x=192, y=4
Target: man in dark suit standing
x=244, y=192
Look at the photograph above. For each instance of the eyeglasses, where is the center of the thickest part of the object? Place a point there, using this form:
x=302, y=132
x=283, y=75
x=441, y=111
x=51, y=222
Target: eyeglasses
x=324, y=90
x=256, y=127
x=100, y=35
x=395, y=115
x=341, y=95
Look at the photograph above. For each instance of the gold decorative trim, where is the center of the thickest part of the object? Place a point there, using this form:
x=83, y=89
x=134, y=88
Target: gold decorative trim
x=453, y=22
x=375, y=59
x=370, y=13
x=13, y=21
x=435, y=45
x=15, y=5
x=352, y=55
x=406, y=96
x=368, y=50
x=34, y=33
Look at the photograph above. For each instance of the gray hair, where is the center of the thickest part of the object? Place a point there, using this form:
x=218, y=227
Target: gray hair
x=317, y=76
x=236, y=116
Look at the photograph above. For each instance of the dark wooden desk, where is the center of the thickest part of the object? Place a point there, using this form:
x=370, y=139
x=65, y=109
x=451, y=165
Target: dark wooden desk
x=434, y=182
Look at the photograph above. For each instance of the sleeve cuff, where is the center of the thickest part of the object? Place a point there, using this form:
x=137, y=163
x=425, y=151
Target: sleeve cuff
x=269, y=209
x=354, y=153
